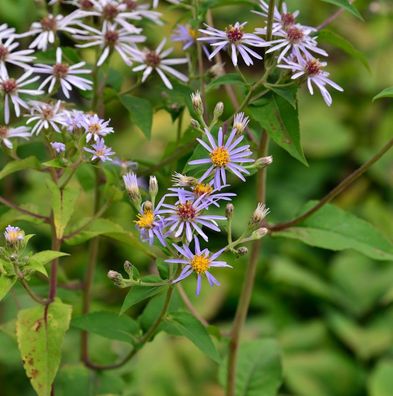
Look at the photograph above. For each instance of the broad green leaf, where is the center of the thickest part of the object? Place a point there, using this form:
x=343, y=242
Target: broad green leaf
x=141, y=112
x=184, y=324
x=40, y=340
x=346, y=5
x=108, y=325
x=226, y=79
x=18, y=165
x=334, y=39
x=140, y=293
x=63, y=205
x=381, y=380
x=281, y=122
x=6, y=284
x=287, y=93
x=386, y=93
x=258, y=370
x=335, y=229
x=39, y=260
x=73, y=380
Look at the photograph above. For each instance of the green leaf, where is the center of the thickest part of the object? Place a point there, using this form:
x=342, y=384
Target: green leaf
x=381, y=380
x=335, y=229
x=386, y=93
x=18, y=165
x=140, y=293
x=258, y=370
x=226, y=79
x=338, y=41
x=281, y=122
x=347, y=6
x=40, y=340
x=63, y=205
x=185, y=324
x=6, y=284
x=39, y=260
x=73, y=380
x=287, y=93
x=108, y=325
x=141, y=112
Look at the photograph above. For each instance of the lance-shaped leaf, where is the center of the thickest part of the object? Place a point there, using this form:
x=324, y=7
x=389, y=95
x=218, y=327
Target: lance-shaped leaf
x=18, y=165
x=38, y=261
x=386, y=93
x=40, y=338
x=335, y=229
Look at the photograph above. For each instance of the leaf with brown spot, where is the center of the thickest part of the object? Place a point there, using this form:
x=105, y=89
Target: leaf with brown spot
x=40, y=342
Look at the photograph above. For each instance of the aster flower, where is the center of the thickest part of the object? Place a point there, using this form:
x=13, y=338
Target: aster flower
x=198, y=263
x=150, y=224
x=6, y=31
x=47, y=29
x=296, y=41
x=58, y=147
x=240, y=122
x=312, y=70
x=100, y=151
x=95, y=127
x=11, y=90
x=7, y=133
x=140, y=11
x=14, y=235
x=124, y=164
x=234, y=39
x=111, y=38
x=223, y=157
x=186, y=35
x=8, y=55
x=150, y=60
x=186, y=217
x=45, y=116
x=65, y=75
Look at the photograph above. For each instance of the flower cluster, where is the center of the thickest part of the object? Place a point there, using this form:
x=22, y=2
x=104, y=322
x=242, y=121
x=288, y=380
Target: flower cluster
x=182, y=214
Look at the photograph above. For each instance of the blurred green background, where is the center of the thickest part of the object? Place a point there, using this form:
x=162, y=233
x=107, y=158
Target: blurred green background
x=332, y=313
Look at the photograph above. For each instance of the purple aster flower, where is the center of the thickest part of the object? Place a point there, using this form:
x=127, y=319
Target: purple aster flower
x=199, y=263
x=186, y=217
x=95, y=127
x=13, y=235
x=58, y=147
x=150, y=223
x=100, y=151
x=313, y=71
x=236, y=40
x=224, y=157
x=74, y=120
x=186, y=35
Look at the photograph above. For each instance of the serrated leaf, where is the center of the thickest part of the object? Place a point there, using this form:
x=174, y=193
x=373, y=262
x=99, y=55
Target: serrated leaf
x=63, y=205
x=338, y=41
x=18, y=165
x=108, y=325
x=386, y=93
x=281, y=122
x=347, y=6
x=38, y=261
x=140, y=293
x=141, y=112
x=335, y=229
x=185, y=324
x=258, y=370
x=40, y=340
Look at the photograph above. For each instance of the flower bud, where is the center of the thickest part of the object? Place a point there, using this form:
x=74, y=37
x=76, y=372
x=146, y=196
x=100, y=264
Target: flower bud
x=229, y=209
x=116, y=278
x=128, y=267
x=263, y=162
x=153, y=187
x=14, y=236
x=259, y=213
x=197, y=102
x=195, y=124
x=242, y=251
x=259, y=233
x=131, y=184
x=219, y=109
x=240, y=123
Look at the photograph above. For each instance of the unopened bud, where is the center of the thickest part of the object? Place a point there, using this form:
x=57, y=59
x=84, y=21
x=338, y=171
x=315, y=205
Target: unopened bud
x=195, y=124
x=153, y=187
x=180, y=180
x=263, y=161
x=229, y=209
x=131, y=184
x=259, y=213
x=116, y=278
x=128, y=267
x=242, y=251
x=219, y=109
x=197, y=102
x=259, y=233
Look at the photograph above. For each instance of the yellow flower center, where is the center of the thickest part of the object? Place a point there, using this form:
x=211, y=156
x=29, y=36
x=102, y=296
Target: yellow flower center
x=95, y=128
x=220, y=156
x=201, y=189
x=13, y=236
x=193, y=33
x=146, y=219
x=200, y=264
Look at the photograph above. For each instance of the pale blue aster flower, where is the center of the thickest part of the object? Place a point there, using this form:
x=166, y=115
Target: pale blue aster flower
x=100, y=151
x=58, y=147
x=95, y=127
x=13, y=235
